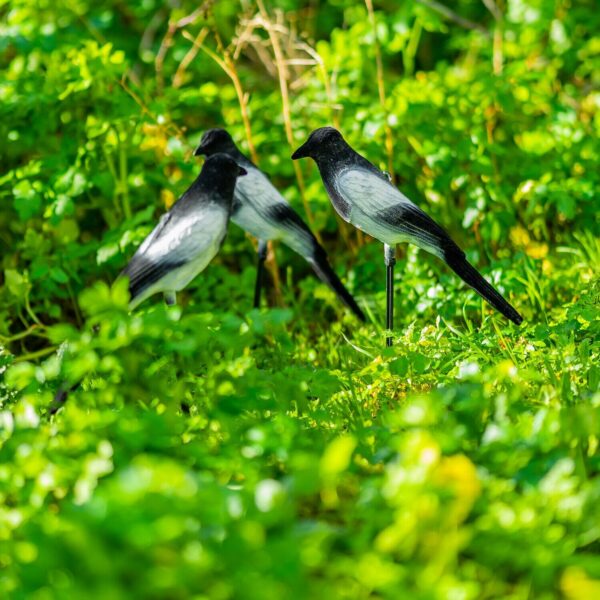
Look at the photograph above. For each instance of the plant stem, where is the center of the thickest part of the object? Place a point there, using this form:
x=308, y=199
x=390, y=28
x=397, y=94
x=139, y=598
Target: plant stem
x=285, y=103
x=411, y=48
x=189, y=57
x=37, y=354
x=228, y=67
x=389, y=143
x=123, y=184
x=113, y=171
x=23, y=334
x=454, y=17
x=30, y=311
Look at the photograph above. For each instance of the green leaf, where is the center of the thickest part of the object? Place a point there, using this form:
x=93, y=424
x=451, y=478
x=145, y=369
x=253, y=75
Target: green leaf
x=59, y=275
x=27, y=200
x=337, y=456
x=399, y=366
x=20, y=375
x=17, y=284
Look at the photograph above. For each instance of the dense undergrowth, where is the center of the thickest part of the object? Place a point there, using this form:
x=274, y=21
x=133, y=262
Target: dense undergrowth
x=214, y=451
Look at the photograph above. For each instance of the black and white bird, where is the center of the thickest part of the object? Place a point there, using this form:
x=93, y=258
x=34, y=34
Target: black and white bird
x=263, y=212
x=187, y=237
x=185, y=240
x=364, y=196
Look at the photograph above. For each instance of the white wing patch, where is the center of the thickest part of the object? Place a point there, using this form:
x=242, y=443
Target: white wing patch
x=384, y=212
x=255, y=195
x=256, y=189
x=153, y=234
x=368, y=192
x=257, y=213
x=183, y=239
x=187, y=243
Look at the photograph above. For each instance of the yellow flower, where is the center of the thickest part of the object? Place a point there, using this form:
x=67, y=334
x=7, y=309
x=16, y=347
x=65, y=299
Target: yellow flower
x=546, y=267
x=519, y=236
x=537, y=249
x=458, y=474
x=168, y=198
x=576, y=585
x=154, y=139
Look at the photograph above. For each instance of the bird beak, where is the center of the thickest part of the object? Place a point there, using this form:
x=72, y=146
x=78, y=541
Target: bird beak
x=199, y=151
x=242, y=171
x=301, y=152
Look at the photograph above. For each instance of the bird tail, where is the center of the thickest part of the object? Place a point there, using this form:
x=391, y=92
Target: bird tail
x=318, y=261
x=61, y=395
x=469, y=274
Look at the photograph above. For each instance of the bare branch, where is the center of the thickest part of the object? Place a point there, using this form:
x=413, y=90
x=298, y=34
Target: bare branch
x=449, y=14
x=493, y=8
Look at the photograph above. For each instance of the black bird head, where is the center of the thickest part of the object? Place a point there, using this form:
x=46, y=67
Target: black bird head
x=221, y=166
x=218, y=178
x=322, y=141
x=215, y=140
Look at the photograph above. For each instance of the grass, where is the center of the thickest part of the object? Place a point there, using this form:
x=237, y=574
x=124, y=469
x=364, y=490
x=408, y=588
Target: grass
x=313, y=461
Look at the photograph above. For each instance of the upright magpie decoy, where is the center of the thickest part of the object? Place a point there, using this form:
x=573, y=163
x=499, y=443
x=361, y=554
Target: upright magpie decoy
x=186, y=238
x=262, y=211
x=364, y=196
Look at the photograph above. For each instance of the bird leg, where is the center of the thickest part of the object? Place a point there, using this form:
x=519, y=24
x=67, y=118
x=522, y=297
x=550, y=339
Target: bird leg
x=262, y=255
x=389, y=253
x=170, y=298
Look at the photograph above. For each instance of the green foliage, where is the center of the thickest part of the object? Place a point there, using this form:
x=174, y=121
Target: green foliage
x=219, y=452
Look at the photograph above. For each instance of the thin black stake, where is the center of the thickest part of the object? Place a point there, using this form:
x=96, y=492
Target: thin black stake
x=390, y=261
x=262, y=255
x=170, y=298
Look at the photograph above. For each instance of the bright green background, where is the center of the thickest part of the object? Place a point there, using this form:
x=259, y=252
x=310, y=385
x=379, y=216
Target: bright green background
x=460, y=464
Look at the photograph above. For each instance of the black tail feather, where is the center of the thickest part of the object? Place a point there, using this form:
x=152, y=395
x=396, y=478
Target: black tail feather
x=469, y=274
x=61, y=396
x=326, y=274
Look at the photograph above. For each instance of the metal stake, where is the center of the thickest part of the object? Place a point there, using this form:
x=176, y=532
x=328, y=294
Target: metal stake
x=390, y=260
x=262, y=255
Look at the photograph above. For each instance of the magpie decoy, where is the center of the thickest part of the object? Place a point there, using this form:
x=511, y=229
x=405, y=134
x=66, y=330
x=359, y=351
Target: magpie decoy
x=365, y=197
x=262, y=211
x=186, y=238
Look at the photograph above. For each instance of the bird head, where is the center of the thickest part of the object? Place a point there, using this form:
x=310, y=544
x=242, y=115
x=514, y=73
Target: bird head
x=215, y=140
x=321, y=141
x=222, y=165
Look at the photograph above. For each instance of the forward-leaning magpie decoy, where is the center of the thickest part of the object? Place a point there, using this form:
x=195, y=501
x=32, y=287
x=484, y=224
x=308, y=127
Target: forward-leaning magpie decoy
x=365, y=197
x=186, y=238
x=262, y=211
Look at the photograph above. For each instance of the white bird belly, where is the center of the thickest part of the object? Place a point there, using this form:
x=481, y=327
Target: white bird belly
x=177, y=279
